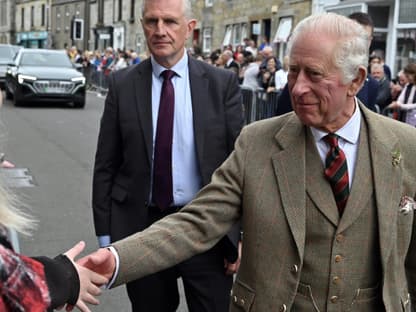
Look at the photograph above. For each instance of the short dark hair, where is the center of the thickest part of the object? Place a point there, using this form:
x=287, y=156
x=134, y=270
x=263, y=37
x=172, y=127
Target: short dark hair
x=410, y=69
x=362, y=18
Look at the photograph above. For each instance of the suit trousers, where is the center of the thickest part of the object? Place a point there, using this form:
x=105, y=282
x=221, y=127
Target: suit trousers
x=207, y=288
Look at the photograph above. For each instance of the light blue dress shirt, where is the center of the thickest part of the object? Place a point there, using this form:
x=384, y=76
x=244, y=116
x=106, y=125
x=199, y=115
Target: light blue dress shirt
x=186, y=179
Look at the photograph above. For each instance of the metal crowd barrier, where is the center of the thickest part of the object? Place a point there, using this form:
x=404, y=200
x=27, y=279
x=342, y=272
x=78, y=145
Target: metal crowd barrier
x=258, y=104
x=96, y=80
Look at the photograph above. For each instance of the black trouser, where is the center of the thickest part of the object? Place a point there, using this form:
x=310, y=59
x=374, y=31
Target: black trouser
x=207, y=288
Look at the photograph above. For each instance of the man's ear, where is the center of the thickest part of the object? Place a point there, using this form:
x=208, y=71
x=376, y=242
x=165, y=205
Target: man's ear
x=357, y=82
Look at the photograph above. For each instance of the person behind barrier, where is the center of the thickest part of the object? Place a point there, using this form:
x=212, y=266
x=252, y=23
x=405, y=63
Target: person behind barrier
x=168, y=123
x=407, y=98
x=325, y=194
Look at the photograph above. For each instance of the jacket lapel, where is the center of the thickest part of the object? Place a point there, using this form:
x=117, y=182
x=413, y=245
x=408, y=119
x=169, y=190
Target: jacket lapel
x=199, y=85
x=290, y=175
x=387, y=179
x=143, y=97
x=362, y=184
x=317, y=187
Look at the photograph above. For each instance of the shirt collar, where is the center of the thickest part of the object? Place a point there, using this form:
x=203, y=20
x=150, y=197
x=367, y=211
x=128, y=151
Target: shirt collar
x=179, y=68
x=349, y=132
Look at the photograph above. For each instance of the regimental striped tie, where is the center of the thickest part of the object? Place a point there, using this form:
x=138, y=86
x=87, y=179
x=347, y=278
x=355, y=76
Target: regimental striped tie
x=336, y=172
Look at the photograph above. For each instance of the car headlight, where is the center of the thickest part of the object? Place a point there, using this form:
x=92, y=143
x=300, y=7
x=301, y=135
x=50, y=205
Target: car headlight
x=79, y=79
x=22, y=78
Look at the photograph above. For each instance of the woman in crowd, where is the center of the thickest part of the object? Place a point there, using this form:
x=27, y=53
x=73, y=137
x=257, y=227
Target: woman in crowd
x=407, y=98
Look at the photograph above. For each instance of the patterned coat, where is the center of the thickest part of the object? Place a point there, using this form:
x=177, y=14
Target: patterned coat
x=34, y=284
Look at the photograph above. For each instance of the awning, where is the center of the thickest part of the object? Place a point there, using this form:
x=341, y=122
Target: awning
x=284, y=29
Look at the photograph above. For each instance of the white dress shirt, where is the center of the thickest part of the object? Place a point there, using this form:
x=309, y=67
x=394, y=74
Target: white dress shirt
x=348, y=141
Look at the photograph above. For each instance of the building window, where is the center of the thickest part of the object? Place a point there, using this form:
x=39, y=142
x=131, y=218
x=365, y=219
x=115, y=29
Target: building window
x=3, y=12
x=42, y=20
x=407, y=11
x=32, y=16
x=206, y=40
x=236, y=35
x=120, y=10
x=282, y=35
x=244, y=32
x=227, y=36
x=22, y=18
x=132, y=10
x=406, y=47
x=209, y=3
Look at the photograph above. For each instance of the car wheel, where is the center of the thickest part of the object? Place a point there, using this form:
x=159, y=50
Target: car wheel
x=80, y=103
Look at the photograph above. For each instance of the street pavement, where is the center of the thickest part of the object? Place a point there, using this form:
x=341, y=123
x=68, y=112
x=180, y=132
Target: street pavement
x=54, y=145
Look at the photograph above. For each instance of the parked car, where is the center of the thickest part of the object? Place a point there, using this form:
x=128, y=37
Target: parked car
x=7, y=53
x=43, y=75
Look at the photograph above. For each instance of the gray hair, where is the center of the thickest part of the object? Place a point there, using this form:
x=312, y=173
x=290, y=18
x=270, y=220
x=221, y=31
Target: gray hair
x=351, y=49
x=187, y=8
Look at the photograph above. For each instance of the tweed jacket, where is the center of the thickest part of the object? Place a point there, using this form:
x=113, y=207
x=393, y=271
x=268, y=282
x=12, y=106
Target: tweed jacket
x=263, y=183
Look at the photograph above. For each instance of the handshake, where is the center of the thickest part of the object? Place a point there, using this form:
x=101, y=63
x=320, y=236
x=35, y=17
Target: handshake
x=94, y=271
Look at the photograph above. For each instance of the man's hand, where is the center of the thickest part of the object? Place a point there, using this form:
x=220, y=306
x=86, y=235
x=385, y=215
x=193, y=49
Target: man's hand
x=231, y=268
x=89, y=281
x=101, y=261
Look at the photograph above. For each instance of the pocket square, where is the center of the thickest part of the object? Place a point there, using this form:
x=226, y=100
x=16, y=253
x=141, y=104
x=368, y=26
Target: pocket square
x=407, y=204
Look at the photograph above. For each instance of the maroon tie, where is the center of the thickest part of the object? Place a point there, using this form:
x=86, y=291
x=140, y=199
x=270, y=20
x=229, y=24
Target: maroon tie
x=162, y=162
x=336, y=172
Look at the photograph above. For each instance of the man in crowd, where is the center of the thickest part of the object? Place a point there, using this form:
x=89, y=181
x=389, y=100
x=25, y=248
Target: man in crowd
x=325, y=195
x=168, y=123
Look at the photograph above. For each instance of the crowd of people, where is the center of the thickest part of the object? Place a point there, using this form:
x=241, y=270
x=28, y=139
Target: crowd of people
x=257, y=69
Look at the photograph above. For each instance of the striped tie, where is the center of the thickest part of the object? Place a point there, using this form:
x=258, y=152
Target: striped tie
x=336, y=171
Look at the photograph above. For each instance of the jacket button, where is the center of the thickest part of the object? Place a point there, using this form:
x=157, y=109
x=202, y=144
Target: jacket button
x=334, y=299
x=283, y=308
x=338, y=258
x=235, y=299
x=295, y=268
x=335, y=279
x=242, y=302
x=339, y=238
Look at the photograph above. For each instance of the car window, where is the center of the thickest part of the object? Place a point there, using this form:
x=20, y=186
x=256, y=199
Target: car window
x=6, y=53
x=45, y=59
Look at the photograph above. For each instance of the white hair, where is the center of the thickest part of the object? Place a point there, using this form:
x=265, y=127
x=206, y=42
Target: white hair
x=187, y=8
x=351, y=49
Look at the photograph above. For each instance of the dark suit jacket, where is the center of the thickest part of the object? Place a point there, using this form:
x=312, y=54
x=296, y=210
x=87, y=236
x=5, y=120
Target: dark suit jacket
x=122, y=173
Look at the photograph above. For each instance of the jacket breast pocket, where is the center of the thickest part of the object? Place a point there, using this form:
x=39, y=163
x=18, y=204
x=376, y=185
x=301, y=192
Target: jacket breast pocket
x=242, y=297
x=118, y=193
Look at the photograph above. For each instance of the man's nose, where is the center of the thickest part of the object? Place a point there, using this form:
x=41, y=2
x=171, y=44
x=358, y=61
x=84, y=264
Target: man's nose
x=160, y=27
x=301, y=85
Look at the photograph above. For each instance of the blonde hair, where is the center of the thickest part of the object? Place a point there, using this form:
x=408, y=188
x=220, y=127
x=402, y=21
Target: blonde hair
x=13, y=214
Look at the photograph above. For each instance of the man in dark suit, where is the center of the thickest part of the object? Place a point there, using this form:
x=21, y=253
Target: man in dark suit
x=229, y=62
x=205, y=117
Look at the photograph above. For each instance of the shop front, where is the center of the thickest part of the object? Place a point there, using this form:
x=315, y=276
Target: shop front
x=32, y=39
